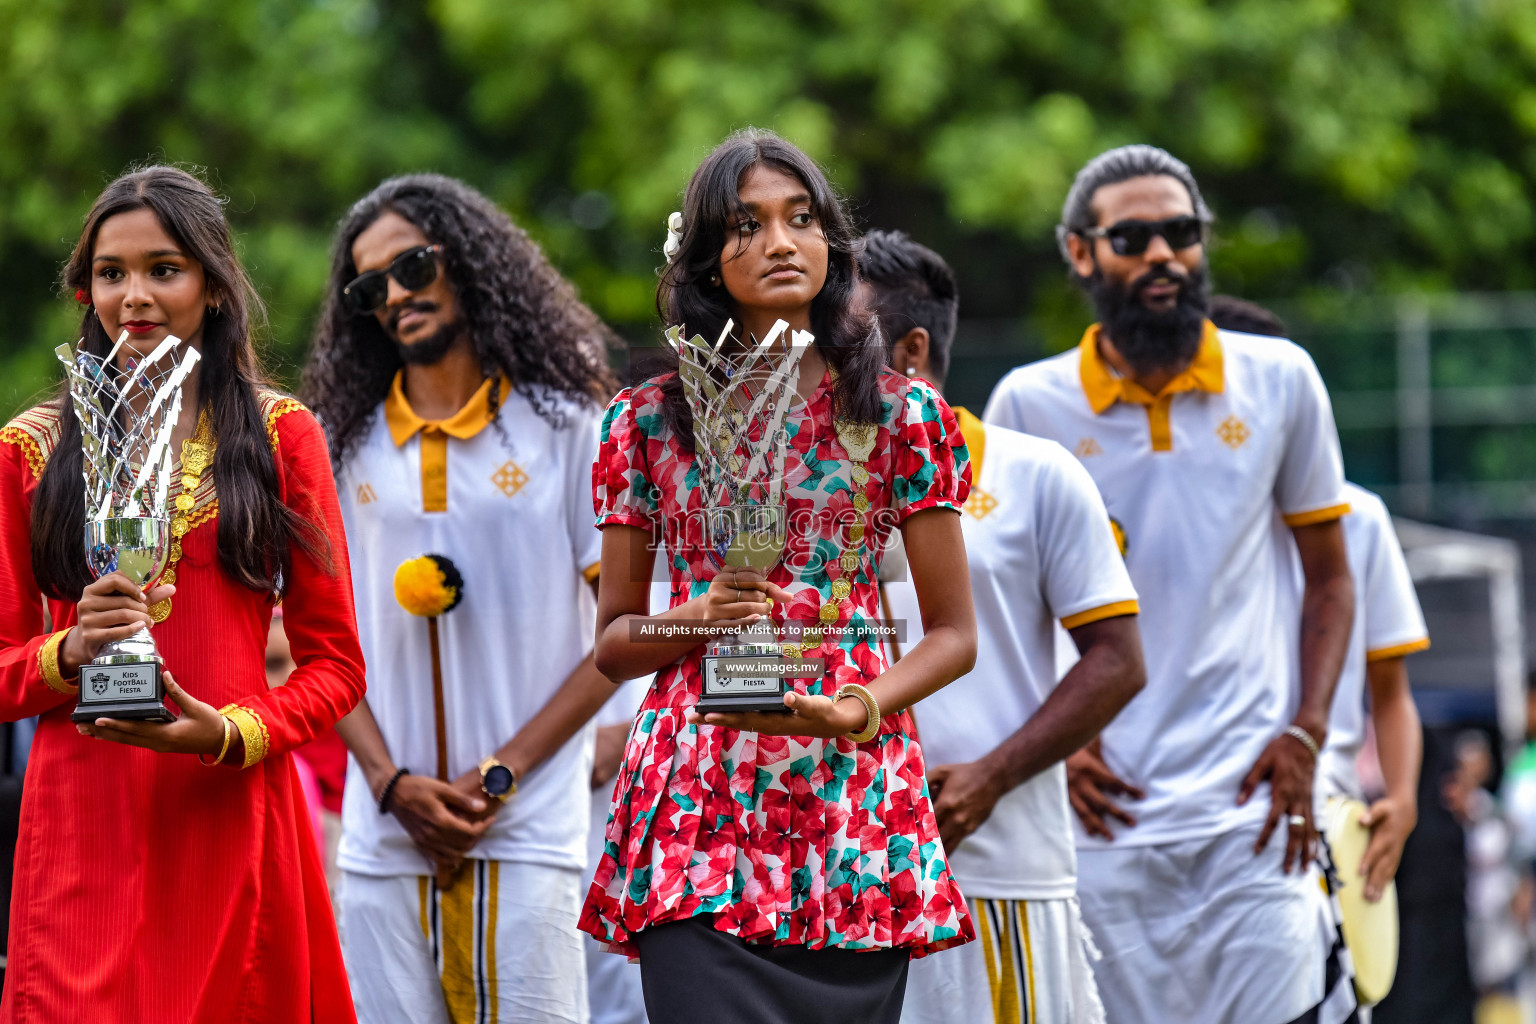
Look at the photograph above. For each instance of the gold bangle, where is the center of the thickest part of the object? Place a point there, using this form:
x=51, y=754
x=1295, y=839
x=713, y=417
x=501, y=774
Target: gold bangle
x=872, y=706
x=252, y=732
x=222, y=750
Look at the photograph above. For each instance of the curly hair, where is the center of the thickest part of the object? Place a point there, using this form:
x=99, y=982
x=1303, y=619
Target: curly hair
x=523, y=318
x=846, y=334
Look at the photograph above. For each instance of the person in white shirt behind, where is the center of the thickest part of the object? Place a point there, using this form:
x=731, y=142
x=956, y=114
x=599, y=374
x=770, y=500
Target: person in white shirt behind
x=459, y=378
x=1040, y=549
x=1389, y=626
x=1208, y=448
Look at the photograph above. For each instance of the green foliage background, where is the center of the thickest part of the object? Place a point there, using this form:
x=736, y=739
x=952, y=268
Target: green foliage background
x=1369, y=146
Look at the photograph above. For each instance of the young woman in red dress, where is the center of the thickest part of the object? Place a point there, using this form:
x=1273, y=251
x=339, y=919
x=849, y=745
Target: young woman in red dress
x=785, y=866
x=149, y=886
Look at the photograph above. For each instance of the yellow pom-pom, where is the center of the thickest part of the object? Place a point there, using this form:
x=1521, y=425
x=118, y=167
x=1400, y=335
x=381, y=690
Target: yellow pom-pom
x=428, y=586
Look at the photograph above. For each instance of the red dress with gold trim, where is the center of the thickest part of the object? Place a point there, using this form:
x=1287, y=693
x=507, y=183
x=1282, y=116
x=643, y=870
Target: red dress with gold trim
x=149, y=888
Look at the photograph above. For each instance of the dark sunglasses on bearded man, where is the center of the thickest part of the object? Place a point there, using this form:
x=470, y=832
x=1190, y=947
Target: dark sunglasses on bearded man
x=1131, y=237
x=412, y=270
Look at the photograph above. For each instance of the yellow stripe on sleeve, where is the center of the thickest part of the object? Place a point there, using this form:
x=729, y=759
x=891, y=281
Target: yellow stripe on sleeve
x=1103, y=611
x=1317, y=515
x=1398, y=650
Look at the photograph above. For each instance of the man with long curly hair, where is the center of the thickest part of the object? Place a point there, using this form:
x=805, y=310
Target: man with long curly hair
x=460, y=380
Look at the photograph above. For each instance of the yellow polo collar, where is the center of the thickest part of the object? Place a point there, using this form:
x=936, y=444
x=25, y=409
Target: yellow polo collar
x=975, y=434
x=1104, y=388
x=474, y=417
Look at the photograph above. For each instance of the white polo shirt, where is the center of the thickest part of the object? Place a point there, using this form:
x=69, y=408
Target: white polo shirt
x=1388, y=624
x=514, y=513
x=1040, y=548
x=1201, y=481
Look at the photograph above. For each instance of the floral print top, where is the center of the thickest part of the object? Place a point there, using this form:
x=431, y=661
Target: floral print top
x=789, y=840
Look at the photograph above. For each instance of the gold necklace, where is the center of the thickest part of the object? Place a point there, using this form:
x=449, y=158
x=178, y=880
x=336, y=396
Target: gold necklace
x=858, y=440
x=196, y=457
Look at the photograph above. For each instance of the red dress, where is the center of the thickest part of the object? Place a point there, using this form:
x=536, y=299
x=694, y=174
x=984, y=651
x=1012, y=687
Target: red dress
x=149, y=888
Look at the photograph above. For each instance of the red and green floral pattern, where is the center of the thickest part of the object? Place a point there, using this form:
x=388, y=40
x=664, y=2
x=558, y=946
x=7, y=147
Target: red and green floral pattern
x=789, y=840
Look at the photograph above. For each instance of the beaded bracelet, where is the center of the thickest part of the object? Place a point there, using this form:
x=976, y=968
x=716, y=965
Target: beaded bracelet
x=389, y=789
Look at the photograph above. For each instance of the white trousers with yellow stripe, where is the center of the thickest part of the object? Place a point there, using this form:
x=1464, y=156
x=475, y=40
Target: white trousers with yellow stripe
x=1028, y=965
x=499, y=946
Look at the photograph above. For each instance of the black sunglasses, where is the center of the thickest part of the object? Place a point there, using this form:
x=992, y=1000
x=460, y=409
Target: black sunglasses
x=1131, y=237
x=412, y=270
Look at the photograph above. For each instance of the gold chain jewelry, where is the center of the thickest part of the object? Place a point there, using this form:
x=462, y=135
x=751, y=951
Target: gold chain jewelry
x=196, y=457
x=871, y=706
x=858, y=440
x=222, y=750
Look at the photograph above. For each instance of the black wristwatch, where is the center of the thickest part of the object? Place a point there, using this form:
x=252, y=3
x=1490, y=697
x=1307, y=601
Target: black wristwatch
x=496, y=779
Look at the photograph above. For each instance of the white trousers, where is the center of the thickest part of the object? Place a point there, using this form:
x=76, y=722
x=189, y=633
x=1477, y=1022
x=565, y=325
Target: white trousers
x=1205, y=930
x=499, y=946
x=1028, y=965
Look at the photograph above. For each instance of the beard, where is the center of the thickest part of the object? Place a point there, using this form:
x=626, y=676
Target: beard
x=1152, y=340
x=430, y=349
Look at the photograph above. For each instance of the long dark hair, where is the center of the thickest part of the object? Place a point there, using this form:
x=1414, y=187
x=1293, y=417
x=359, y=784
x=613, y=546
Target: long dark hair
x=255, y=528
x=523, y=318
x=846, y=335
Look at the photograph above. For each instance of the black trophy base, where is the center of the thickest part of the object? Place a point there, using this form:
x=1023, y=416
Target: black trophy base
x=132, y=690
x=768, y=704
x=743, y=682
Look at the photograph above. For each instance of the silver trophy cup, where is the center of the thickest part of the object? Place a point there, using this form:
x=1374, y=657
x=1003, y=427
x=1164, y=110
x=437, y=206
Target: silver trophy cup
x=740, y=399
x=127, y=414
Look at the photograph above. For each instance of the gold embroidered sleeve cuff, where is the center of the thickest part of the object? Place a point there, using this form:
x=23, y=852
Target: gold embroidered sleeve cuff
x=252, y=731
x=48, y=664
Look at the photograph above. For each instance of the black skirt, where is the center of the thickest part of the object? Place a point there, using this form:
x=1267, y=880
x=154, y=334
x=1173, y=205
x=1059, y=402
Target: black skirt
x=690, y=973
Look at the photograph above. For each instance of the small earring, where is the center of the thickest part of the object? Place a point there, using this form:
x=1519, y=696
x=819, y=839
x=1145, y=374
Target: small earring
x=714, y=280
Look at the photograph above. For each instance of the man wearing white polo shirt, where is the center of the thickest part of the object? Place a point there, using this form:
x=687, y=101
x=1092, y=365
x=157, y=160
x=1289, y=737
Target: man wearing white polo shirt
x=1389, y=626
x=459, y=379
x=1207, y=448
x=1040, y=549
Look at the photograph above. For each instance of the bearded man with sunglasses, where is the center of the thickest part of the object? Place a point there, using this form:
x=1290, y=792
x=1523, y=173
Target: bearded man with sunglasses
x=460, y=381
x=1206, y=446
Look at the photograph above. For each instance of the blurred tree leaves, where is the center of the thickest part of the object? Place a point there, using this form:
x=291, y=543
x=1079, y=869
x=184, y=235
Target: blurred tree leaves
x=1376, y=144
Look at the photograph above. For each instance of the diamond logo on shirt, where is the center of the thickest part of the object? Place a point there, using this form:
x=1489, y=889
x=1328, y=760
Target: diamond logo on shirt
x=1086, y=447
x=365, y=495
x=510, y=478
x=979, y=504
x=1233, y=432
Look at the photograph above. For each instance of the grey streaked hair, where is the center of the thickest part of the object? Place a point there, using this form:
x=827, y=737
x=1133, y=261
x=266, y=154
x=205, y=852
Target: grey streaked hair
x=1114, y=166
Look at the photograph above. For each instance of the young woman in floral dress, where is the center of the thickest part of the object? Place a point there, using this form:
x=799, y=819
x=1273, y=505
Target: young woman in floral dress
x=770, y=867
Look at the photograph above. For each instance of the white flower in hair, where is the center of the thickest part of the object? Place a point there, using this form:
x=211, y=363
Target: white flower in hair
x=674, y=236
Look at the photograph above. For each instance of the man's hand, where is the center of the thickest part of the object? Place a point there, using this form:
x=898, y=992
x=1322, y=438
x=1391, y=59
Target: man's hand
x=1288, y=765
x=963, y=798
x=1390, y=821
x=608, y=755
x=1090, y=784
x=443, y=821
